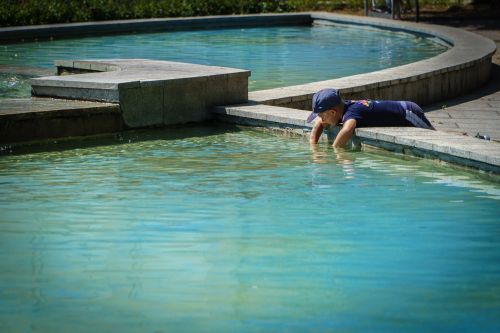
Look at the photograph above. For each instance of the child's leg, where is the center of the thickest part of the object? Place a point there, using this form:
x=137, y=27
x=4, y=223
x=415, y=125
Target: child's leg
x=416, y=116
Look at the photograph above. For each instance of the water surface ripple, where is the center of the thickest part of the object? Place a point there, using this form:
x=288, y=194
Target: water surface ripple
x=221, y=230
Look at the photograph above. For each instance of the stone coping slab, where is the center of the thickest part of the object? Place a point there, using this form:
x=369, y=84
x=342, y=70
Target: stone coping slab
x=111, y=75
x=454, y=148
x=272, y=115
x=151, y=93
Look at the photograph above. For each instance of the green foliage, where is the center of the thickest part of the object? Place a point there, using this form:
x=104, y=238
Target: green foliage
x=26, y=12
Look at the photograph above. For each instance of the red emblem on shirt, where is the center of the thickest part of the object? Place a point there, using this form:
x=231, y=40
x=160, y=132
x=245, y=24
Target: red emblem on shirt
x=364, y=102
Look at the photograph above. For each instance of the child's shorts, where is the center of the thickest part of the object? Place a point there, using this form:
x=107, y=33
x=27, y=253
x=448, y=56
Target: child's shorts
x=415, y=116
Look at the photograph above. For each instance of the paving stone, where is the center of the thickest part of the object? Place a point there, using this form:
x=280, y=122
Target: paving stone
x=438, y=115
x=446, y=127
x=473, y=115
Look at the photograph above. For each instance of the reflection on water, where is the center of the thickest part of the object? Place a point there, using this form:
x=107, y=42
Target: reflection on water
x=461, y=180
x=393, y=166
x=215, y=229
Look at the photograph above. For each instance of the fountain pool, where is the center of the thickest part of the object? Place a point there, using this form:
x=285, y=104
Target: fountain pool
x=226, y=229
x=277, y=56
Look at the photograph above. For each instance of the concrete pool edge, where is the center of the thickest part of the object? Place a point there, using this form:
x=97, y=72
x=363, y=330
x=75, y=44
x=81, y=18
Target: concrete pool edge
x=68, y=30
x=452, y=148
x=150, y=93
x=465, y=66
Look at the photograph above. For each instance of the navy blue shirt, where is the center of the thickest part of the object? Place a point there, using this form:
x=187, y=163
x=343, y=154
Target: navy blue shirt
x=372, y=113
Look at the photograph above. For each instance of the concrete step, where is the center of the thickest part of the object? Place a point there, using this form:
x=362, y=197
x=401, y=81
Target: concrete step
x=29, y=119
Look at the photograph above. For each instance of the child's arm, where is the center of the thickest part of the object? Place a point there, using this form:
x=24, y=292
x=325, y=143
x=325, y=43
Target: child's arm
x=316, y=132
x=345, y=134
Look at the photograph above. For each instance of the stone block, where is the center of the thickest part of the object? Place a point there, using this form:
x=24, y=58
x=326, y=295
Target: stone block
x=63, y=63
x=247, y=112
x=102, y=67
x=434, y=92
x=82, y=64
x=184, y=101
x=300, y=105
x=283, y=101
x=142, y=106
x=423, y=145
x=191, y=100
x=366, y=133
x=386, y=137
x=237, y=91
x=151, y=93
x=102, y=95
x=283, y=119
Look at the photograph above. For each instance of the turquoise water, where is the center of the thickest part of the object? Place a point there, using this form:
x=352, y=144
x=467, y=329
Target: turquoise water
x=211, y=229
x=277, y=56
x=14, y=85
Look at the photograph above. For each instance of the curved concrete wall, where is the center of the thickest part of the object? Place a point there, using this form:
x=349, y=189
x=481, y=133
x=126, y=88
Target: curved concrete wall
x=14, y=34
x=465, y=66
x=462, y=68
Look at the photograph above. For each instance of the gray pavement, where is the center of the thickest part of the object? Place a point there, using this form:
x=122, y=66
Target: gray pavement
x=479, y=111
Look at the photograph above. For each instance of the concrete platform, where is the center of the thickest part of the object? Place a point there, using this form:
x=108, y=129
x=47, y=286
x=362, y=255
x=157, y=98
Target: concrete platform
x=31, y=119
x=150, y=93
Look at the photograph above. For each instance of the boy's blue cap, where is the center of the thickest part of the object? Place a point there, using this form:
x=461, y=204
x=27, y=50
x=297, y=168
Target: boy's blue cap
x=324, y=100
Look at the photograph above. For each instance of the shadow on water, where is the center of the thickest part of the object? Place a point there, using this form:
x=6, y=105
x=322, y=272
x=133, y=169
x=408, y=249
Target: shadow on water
x=185, y=131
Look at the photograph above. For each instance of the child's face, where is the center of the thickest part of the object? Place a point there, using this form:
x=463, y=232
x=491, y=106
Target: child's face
x=330, y=117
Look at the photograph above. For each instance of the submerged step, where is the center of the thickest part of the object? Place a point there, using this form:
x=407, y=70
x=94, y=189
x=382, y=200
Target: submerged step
x=150, y=92
x=29, y=119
